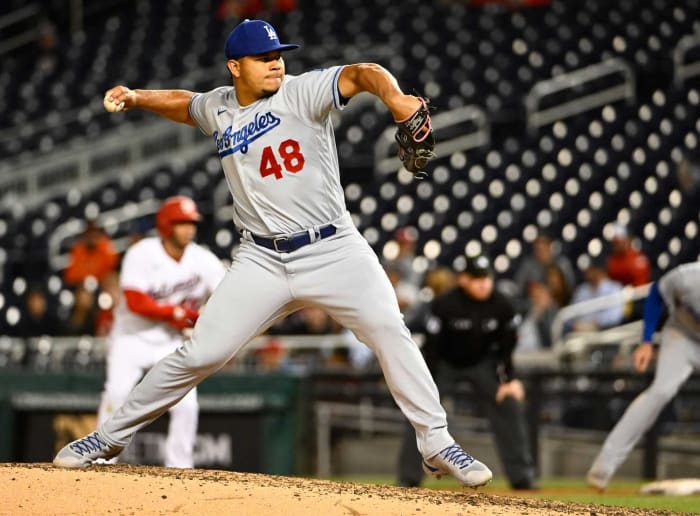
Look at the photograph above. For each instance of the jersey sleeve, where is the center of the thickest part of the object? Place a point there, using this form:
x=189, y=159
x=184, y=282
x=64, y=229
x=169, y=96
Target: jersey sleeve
x=203, y=108
x=133, y=275
x=315, y=93
x=213, y=270
x=653, y=306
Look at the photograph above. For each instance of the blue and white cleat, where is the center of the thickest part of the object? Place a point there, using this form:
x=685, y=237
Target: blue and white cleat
x=454, y=461
x=83, y=452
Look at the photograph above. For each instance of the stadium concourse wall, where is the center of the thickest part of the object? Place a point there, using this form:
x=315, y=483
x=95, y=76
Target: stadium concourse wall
x=256, y=423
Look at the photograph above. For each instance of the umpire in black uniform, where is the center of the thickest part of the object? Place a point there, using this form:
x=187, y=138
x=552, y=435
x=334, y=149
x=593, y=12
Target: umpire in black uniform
x=470, y=335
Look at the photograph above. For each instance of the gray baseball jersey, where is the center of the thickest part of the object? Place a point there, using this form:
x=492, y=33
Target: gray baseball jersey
x=289, y=180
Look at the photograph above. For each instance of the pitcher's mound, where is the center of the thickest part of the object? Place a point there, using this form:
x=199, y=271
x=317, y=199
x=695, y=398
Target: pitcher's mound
x=30, y=489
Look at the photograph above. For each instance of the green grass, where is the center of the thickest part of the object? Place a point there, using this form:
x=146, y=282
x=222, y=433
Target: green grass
x=621, y=493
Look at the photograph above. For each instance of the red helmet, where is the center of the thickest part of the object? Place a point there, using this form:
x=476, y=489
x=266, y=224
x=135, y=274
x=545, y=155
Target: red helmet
x=173, y=210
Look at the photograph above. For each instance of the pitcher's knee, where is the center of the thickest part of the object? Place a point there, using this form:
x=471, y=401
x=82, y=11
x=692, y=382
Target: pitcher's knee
x=661, y=394
x=201, y=358
x=383, y=328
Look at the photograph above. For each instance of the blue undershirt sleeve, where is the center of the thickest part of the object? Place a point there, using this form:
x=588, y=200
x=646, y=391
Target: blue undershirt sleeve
x=653, y=307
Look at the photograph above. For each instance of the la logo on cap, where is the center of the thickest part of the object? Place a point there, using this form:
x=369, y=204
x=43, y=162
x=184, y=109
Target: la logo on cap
x=271, y=34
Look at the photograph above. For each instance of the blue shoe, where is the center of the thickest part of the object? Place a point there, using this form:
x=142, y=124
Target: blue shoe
x=83, y=452
x=454, y=461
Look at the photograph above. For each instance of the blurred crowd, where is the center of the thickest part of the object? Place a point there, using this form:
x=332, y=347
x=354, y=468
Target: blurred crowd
x=545, y=282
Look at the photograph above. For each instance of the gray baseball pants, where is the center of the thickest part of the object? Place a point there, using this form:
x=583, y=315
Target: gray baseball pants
x=340, y=274
x=678, y=356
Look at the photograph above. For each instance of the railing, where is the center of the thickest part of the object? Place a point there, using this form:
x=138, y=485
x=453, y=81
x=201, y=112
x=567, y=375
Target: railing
x=131, y=148
x=29, y=12
x=365, y=417
x=537, y=117
x=13, y=350
x=74, y=227
x=134, y=152
x=576, y=342
x=683, y=68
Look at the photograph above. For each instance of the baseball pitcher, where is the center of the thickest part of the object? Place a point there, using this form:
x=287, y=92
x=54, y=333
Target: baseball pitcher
x=274, y=136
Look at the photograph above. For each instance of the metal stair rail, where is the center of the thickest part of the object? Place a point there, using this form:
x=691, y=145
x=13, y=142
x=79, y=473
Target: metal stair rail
x=577, y=342
x=686, y=58
x=131, y=149
x=537, y=115
x=25, y=21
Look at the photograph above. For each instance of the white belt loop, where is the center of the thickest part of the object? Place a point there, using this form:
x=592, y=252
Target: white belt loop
x=313, y=235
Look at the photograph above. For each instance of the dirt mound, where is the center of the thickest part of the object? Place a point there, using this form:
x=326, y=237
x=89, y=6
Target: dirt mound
x=125, y=489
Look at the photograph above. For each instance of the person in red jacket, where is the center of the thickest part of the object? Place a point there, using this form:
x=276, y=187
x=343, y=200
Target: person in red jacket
x=92, y=255
x=627, y=264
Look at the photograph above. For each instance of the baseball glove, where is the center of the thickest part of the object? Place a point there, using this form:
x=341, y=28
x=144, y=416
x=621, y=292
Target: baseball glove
x=416, y=142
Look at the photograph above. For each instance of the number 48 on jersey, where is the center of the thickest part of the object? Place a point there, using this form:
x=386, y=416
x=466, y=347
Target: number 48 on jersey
x=288, y=156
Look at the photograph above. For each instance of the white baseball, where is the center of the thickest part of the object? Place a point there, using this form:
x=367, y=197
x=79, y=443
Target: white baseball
x=112, y=106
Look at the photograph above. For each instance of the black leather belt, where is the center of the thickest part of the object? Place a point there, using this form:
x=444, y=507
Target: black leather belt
x=289, y=243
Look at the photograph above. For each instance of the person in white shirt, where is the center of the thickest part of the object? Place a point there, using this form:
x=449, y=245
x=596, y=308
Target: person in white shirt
x=164, y=280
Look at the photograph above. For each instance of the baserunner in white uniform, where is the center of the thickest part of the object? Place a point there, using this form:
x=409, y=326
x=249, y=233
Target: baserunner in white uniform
x=679, y=355
x=164, y=280
x=274, y=136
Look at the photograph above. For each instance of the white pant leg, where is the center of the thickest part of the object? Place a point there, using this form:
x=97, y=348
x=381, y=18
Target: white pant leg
x=674, y=366
x=344, y=276
x=125, y=366
x=182, y=432
x=253, y=293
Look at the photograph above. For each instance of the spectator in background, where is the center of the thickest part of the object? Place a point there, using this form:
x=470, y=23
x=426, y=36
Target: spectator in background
x=271, y=356
x=239, y=9
x=82, y=317
x=36, y=317
x=437, y=282
x=597, y=284
x=47, y=59
x=688, y=174
x=558, y=286
x=307, y=321
x=533, y=268
x=310, y=320
x=407, y=241
x=92, y=255
x=626, y=264
x=545, y=300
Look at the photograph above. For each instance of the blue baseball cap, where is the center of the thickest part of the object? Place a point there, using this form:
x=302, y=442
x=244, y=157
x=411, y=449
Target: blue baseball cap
x=253, y=37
